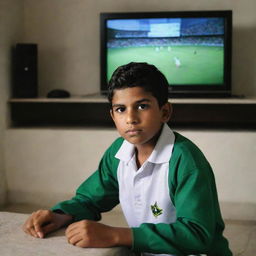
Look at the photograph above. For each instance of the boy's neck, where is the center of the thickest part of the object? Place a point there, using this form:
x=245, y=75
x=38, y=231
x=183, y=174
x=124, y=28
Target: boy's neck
x=141, y=157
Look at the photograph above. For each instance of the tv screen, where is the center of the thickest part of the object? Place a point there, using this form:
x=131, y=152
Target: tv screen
x=192, y=49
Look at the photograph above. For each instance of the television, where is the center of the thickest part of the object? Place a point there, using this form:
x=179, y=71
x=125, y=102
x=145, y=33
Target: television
x=191, y=48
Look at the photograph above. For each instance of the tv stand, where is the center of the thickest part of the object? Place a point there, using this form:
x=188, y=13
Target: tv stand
x=93, y=110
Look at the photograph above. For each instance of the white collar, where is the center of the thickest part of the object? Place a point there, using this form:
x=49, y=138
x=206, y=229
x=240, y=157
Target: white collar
x=161, y=153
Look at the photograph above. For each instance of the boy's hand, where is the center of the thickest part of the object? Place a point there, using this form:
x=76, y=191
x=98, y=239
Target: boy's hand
x=43, y=222
x=88, y=233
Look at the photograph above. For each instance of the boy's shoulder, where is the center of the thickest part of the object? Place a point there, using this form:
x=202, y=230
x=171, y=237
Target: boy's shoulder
x=184, y=145
x=186, y=152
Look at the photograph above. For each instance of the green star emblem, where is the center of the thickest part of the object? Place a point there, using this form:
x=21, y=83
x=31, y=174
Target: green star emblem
x=156, y=210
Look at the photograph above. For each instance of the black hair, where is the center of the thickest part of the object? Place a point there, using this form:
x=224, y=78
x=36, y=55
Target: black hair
x=140, y=74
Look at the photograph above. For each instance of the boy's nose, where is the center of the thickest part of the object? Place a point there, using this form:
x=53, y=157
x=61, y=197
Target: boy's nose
x=131, y=118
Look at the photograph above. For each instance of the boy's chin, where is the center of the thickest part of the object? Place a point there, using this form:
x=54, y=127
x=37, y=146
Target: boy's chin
x=134, y=140
x=137, y=141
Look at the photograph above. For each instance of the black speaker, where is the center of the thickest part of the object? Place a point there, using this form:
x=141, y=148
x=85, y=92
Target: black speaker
x=25, y=71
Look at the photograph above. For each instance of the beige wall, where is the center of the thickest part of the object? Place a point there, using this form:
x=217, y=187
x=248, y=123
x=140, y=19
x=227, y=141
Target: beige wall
x=11, y=13
x=67, y=32
x=46, y=165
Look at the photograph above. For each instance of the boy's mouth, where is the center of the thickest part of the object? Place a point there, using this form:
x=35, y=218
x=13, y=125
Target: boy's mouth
x=133, y=131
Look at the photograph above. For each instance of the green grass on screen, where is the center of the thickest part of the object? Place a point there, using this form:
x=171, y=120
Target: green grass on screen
x=199, y=65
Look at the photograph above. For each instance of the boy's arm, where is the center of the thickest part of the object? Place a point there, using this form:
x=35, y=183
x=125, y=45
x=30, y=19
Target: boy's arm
x=97, y=194
x=199, y=226
x=88, y=233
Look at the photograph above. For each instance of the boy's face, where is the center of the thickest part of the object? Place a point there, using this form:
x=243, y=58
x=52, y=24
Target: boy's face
x=137, y=115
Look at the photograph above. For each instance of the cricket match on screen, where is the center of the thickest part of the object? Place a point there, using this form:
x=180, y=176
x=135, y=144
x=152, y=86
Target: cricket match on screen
x=186, y=50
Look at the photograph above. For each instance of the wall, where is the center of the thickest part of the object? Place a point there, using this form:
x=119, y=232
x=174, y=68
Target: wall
x=11, y=12
x=46, y=165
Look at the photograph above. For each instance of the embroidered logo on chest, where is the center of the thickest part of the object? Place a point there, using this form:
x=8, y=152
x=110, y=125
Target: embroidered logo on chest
x=156, y=210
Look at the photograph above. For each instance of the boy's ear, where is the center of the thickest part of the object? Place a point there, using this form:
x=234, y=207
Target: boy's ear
x=111, y=113
x=166, y=112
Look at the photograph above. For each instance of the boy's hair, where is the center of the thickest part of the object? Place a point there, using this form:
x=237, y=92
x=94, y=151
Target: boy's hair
x=140, y=74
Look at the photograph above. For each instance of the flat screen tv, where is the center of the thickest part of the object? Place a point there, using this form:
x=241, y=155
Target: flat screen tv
x=192, y=49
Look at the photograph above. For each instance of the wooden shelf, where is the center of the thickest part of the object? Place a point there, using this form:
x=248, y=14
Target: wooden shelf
x=93, y=110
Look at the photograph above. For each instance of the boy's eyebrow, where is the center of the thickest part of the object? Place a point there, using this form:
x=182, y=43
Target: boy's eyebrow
x=136, y=102
x=142, y=100
x=117, y=105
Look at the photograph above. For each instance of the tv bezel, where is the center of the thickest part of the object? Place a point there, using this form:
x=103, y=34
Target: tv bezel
x=203, y=90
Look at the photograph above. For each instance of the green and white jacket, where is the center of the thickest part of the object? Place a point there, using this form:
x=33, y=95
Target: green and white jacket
x=170, y=203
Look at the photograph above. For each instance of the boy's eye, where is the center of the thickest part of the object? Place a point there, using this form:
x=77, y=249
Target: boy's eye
x=143, y=106
x=119, y=109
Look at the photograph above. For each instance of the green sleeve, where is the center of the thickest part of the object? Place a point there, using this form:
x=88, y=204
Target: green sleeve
x=99, y=193
x=198, y=227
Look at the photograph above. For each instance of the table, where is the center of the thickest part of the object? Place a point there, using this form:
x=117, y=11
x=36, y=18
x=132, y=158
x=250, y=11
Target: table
x=13, y=241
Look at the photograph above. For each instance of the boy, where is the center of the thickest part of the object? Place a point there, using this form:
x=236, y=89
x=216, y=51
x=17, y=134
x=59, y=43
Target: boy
x=163, y=182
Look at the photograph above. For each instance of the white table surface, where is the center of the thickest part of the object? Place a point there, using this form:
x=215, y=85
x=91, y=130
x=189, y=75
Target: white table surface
x=14, y=242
